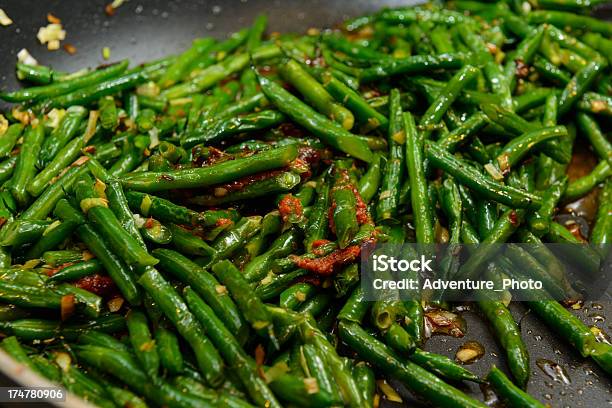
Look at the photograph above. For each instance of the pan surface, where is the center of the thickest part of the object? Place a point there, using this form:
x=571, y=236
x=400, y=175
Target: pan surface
x=142, y=30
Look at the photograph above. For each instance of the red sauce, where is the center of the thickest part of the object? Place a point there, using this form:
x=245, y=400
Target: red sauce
x=513, y=218
x=309, y=154
x=301, y=167
x=330, y=216
x=361, y=209
x=521, y=69
x=574, y=228
x=221, y=222
x=207, y=156
x=101, y=285
x=53, y=271
x=266, y=70
x=312, y=279
x=320, y=242
x=328, y=264
x=290, y=207
x=149, y=223
x=290, y=129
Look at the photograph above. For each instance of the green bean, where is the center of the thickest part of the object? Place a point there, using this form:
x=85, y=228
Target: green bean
x=170, y=302
x=414, y=377
x=60, y=257
x=214, y=174
x=109, y=119
x=275, y=184
x=189, y=244
x=79, y=383
x=412, y=65
x=316, y=94
x=59, y=88
x=370, y=181
x=41, y=329
x=282, y=246
x=365, y=115
x=539, y=221
x=232, y=239
x=65, y=156
x=160, y=208
x=21, y=232
x=318, y=219
x=220, y=398
x=550, y=71
x=447, y=96
x=421, y=203
x=524, y=54
x=128, y=161
x=123, y=366
x=273, y=285
x=518, y=147
x=442, y=366
x=364, y=377
x=142, y=342
x=206, y=285
x=98, y=338
x=46, y=201
x=472, y=178
x=91, y=93
x=105, y=221
x=25, y=167
x=600, y=43
x=530, y=99
x=38, y=74
x=509, y=336
x=236, y=125
x=509, y=392
x=116, y=269
x=328, y=131
x=596, y=103
x=386, y=208
x=249, y=304
x=565, y=324
x=399, y=340
x=12, y=346
x=208, y=77
x=7, y=167
x=177, y=70
x=602, y=231
x=233, y=354
x=578, y=85
x=564, y=19
x=581, y=186
x=462, y=134
x=9, y=138
x=52, y=237
x=295, y=390
x=343, y=204
x=170, y=355
x=591, y=130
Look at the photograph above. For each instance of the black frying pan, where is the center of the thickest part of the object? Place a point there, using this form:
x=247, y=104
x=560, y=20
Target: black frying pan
x=147, y=29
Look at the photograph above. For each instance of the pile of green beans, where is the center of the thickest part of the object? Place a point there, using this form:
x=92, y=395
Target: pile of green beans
x=188, y=232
